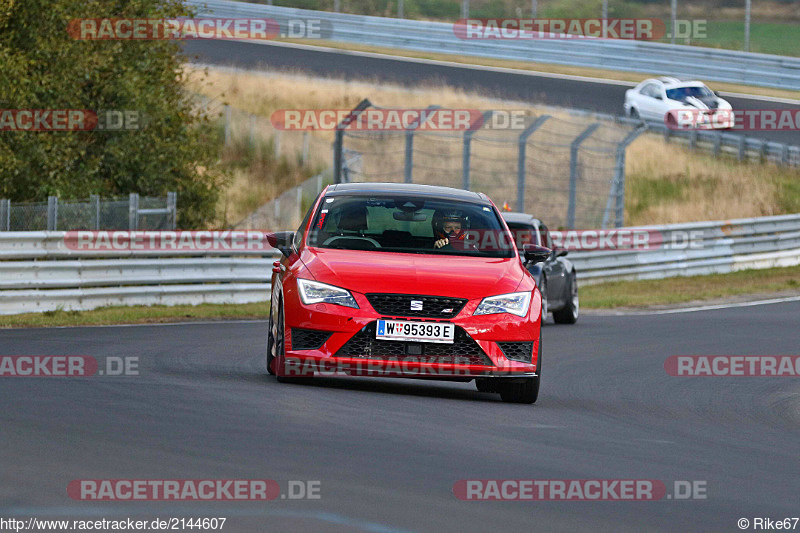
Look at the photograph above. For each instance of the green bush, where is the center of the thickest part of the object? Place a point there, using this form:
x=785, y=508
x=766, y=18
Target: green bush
x=44, y=68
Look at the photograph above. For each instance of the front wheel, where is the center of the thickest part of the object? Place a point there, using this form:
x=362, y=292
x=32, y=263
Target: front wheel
x=526, y=391
x=569, y=314
x=545, y=306
x=271, y=344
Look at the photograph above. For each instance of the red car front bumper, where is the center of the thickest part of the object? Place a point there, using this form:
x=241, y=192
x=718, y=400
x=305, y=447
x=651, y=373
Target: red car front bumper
x=478, y=335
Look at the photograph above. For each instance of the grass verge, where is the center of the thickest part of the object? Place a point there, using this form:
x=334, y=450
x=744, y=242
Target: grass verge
x=680, y=290
x=137, y=315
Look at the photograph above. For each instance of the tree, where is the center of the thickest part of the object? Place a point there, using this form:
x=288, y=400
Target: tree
x=43, y=67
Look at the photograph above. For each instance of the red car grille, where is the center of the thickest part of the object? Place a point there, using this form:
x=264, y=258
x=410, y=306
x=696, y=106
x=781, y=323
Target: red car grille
x=423, y=306
x=463, y=351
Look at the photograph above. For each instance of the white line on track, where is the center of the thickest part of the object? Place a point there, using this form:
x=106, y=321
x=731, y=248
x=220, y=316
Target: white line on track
x=700, y=308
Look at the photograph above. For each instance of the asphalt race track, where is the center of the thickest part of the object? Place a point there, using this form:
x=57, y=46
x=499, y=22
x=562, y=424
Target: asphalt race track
x=387, y=452
x=605, y=97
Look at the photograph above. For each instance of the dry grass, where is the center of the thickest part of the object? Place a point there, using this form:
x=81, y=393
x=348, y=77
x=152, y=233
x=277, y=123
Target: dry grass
x=665, y=182
x=673, y=184
x=761, y=11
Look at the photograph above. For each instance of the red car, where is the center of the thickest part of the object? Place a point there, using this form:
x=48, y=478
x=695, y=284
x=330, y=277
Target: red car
x=402, y=280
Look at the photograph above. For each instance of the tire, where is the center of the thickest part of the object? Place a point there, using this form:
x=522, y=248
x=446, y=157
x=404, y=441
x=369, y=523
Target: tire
x=485, y=385
x=526, y=391
x=569, y=314
x=634, y=113
x=545, y=306
x=280, y=350
x=270, y=344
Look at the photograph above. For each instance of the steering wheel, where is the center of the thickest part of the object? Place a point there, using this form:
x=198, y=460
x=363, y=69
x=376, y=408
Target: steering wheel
x=372, y=241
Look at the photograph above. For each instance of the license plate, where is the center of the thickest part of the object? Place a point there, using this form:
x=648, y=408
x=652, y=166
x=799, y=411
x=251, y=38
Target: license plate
x=402, y=330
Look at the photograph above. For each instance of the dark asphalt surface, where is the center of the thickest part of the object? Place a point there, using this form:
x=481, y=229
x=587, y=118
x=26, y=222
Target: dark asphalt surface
x=586, y=95
x=387, y=452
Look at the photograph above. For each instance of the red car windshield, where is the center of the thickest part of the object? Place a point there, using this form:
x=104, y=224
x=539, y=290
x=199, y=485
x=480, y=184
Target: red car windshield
x=410, y=225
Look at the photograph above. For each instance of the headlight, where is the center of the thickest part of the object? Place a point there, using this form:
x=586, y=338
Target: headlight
x=314, y=292
x=516, y=303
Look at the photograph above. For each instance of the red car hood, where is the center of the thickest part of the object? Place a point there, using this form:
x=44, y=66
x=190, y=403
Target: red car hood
x=391, y=272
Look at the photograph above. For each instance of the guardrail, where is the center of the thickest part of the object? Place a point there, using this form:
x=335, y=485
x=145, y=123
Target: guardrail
x=699, y=248
x=627, y=55
x=715, y=142
x=38, y=272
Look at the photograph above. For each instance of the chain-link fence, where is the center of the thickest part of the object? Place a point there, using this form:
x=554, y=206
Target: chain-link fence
x=287, y=210
x=94, y=213
x=569, y=172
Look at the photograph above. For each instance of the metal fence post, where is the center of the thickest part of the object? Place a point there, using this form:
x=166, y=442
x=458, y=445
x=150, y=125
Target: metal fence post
x=742, y=147
x=408, y=166
x=299, y=205
x=338, y=143
x=94, y=199
x=172, y=206
x=616, y=191
x=523, y=139
x=409, y=159
x=465, y=158
x=252, y=131
x=573, y=171
x=5, y=215
x=466, y=154
x=52, y=213
x=227, y=124
x=133, y=211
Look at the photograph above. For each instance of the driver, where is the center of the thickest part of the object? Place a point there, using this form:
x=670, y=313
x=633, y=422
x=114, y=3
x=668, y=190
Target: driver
x=449, y=226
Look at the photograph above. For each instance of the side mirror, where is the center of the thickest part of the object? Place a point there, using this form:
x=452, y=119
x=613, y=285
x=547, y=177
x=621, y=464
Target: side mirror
x=535, y=253
x=561, y=253
x=282, y=240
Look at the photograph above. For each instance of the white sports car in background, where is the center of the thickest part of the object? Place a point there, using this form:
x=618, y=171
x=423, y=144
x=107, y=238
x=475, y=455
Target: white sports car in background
x=653, y=99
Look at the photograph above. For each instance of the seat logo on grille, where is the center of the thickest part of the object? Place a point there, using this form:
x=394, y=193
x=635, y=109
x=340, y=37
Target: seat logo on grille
x=416, y=305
